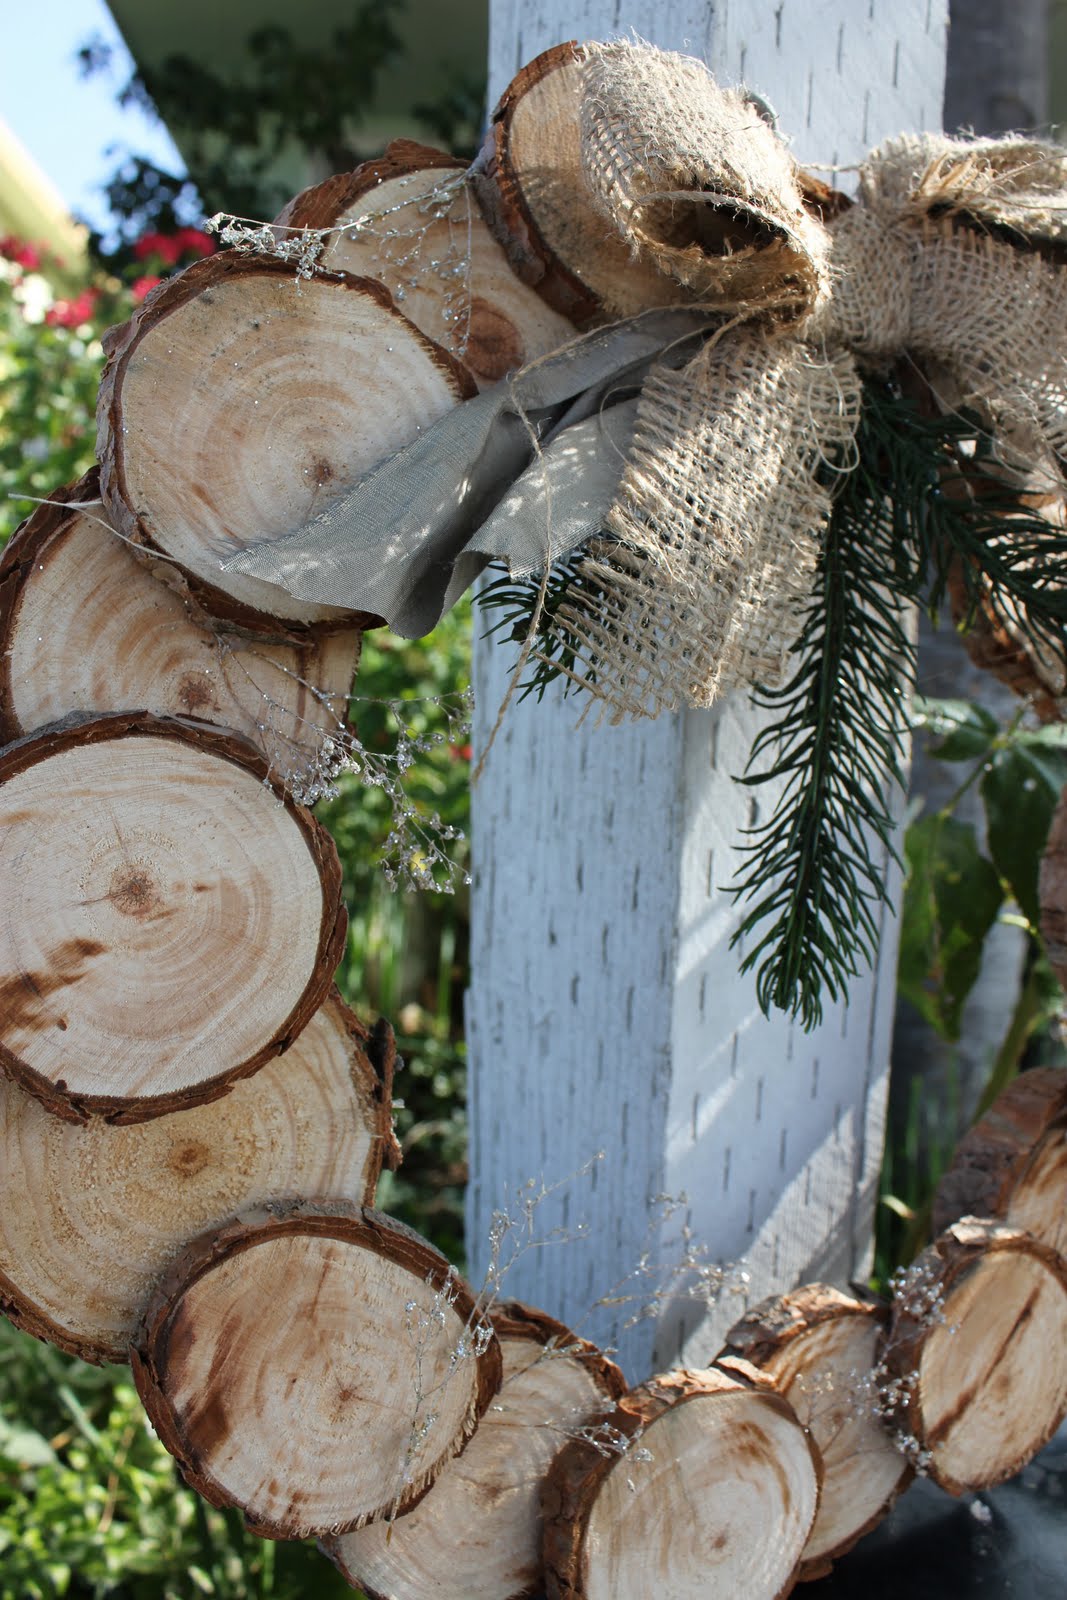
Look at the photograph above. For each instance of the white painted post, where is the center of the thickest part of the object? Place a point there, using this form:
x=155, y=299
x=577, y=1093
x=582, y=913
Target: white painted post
x=606, y=1011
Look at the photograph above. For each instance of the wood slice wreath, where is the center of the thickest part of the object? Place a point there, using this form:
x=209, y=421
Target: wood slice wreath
x=424, y=238
x=87, y=627
x=240, y=399
x=717, y=1495
x=1012, y=1165
x=976, y=1360
x=314, y=1366
x=529, y=185
x=170, y=919
x=476, y=1535
x=820, y=1348
x=95, y=1213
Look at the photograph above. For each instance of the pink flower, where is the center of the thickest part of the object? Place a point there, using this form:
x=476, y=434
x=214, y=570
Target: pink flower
x=23, y=255
x=143, y=286
x=72, y=313
x=195, y=241
x=165, y=246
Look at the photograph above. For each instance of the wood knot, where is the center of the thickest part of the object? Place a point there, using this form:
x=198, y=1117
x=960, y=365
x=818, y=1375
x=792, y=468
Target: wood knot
x=196, y=694
x=134, y=892
x=494, y=344
x=189, y=1159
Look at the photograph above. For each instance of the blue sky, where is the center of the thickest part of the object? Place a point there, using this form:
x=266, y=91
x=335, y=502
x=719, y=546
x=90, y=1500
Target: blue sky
x=65, y=123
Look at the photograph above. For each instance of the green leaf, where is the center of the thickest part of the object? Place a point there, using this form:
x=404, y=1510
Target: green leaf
x=965, y=731
x=1020, y=788
x=951, y=901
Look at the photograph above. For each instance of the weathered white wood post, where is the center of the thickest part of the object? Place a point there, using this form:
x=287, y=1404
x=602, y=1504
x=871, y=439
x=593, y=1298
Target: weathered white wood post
x=606, y=1011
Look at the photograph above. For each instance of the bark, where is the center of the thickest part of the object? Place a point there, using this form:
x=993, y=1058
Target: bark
x=1012, y=1165
x=87, y=627
x=998, y=642
x=477, y=1534
x=240, y=400
x=1052, y=892
x=95, y=1214
x=430, y=246
x=715, y=1492
x=820, y=1348
x=529, y=184
x=170, y=921
x=976, y=1380
x=315, y=1366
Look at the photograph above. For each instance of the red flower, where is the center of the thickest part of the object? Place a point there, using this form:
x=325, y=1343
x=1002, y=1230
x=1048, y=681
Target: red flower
x=163, y=245
x=460, y=752
x=195, y=241
x=141, y=287
x=23, y=255
x=72, y=313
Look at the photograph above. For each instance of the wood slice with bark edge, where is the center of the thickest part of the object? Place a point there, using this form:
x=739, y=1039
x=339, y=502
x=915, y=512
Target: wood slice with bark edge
x=477, y=1534
x=94, y=1214
x=240, y=400
x=171, y=919
x=725, y=1505
x=820, y=1347
x=1012, y=1165
x=433, y=250
x=87, y=627
x=529, y=183
x=1052, y=891
x=975, y=1365
x=282, y=1364
x=998, y=646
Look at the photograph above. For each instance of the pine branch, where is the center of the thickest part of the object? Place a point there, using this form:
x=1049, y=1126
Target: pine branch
x=927, y=498
x=515, y=601
x=816, y=868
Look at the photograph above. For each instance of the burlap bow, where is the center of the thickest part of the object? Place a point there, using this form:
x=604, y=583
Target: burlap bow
x=720, y=473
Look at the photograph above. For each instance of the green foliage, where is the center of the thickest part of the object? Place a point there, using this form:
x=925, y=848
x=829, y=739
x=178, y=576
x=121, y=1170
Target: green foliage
x=49, y=375
x=953, y=897
x=407, y=953
x=953, y=892
x=815, y=868
x=236, y=129
x=91, y=1505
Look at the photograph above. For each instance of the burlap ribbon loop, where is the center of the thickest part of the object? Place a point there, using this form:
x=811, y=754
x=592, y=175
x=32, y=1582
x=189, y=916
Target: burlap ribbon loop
x=692, y=176
x=717, y=482
x=724, y=495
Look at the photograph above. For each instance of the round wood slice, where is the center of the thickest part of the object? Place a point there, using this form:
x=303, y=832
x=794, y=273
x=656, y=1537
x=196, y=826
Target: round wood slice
x=819, y=1348
x=477, y=1534
x=724, y=1506
x=169, y=921
x=980, y=1385
x=87, y=627
x=1052, y=891
x=423, y=236
x=1012, y=1165
x=240, y=401
x=283, y=1364
x=93, y=1214
x=529, y=183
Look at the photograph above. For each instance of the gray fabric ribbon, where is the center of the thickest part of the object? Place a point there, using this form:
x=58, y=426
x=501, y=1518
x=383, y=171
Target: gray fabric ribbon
x=521, y=473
